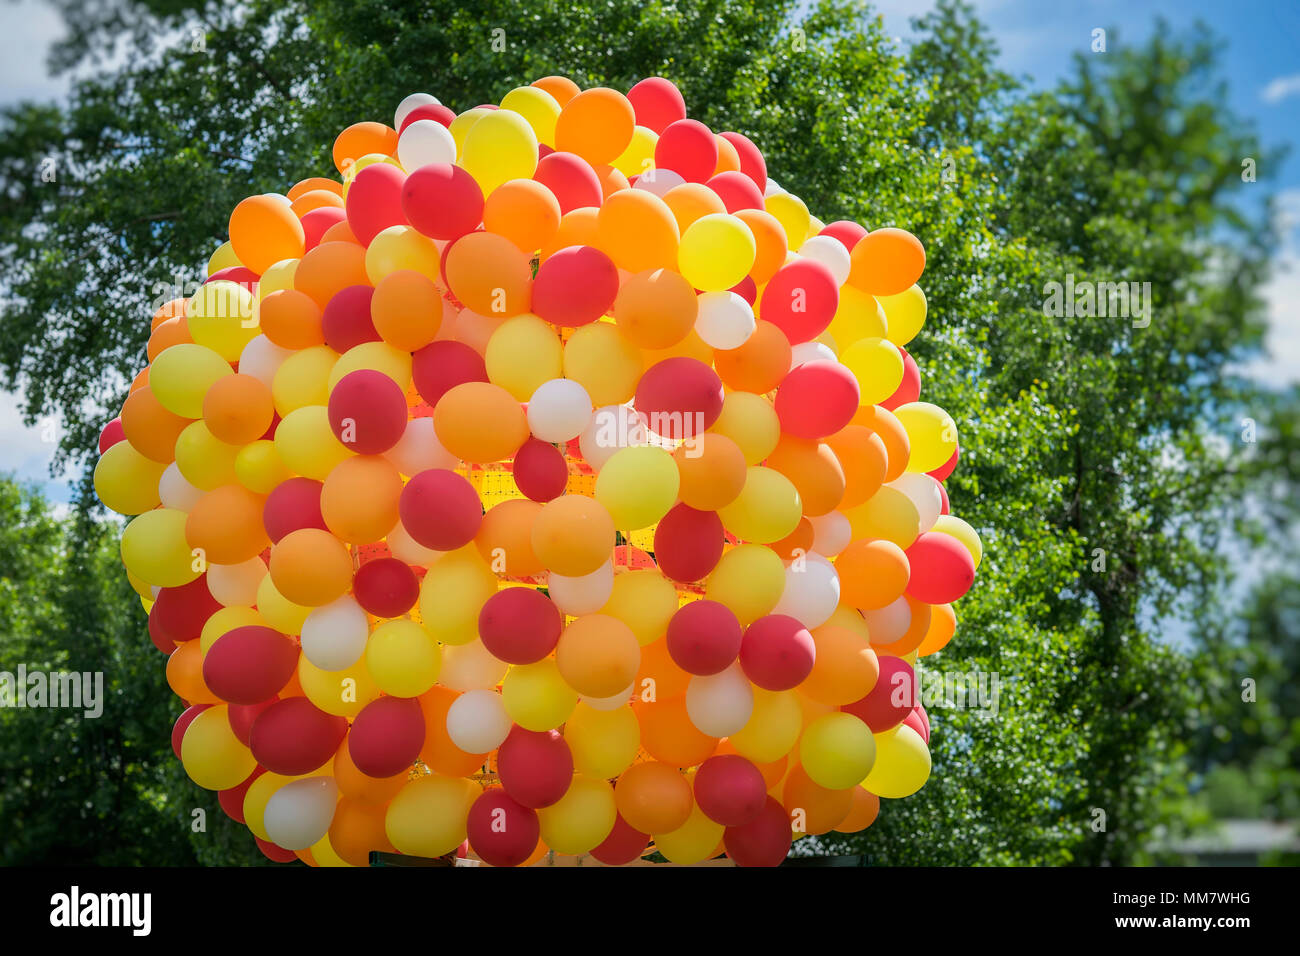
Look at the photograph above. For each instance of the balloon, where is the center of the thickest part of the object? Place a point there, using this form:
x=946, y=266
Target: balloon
x=680, y=398
x=539, y=468
x=637, y=230
x=263, y=231
x=720, y=704
x=559, y=410
x=800, y=299
x=657, y=103
x=811, y=807
x=535, y=768
x=773, y=727
x=943, y=569
x=211, y=754
x=653, y=797
x=837, y=750
x=812, y=591
x=440, y=510
x=520, y=625
x=817, y=399
x=570, y=179
x=423, y=142
x=603, y=742
x=845, y=669
x=687, y=147
x=623, y=845
x=499, y=147
x=311, y=567
x=501, y=830
x=453, y=593
x=748, y=580
x=334, y=635
x=386, y=736
x=655, y=309
x=300, y=812
x=597, y=655
x=890, y=700
x=293, y=736
x=575, y=286
x=428, y=816
x=716, y=252
x=902, y=764
x=584, y=594
x=637, y=486
x=480, y=422
x=536, y=696
x=730, y=790
x=249, y=664
x=573, y=535
x=442, y=365
x=725, y=320
x=489, y=274
x=442, y=201
x=763, y=841
x=471, y=667
x=386, y=587
x=767, y=509
x=359, y=500
x=477, y=721
x=403, y=659
x=704, y=637
x=126, y=481
x=963, y=532
x=887, y=261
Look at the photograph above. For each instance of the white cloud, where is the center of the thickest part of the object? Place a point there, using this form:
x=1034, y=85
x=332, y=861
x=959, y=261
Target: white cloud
x=27, y=30
x=1281, y=88
x=26, y=451
x=1281, y=366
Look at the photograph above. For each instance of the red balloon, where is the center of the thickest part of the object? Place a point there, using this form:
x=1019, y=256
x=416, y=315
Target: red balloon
x=535, y=768
x=440, y=509
x=943, y=471
x=942, y=569
x=888, y=703
x=943, y=495
x=111, y=435
x=540, y=470
x=374, y=201
x=367, y=411
x=575, y=286
x=657, y=103
x=816, y=399
x=571, y=178
x=800, y=300
x=292, y=505
x=763, y=841
x=232, y=800
x=440, y=366
x=520, y=625
x=183, y=724
x=179, y=613
x=730, y=790
x=623, y=845
x=386, y=587
x=679, y=397
x=240, y=275
x=736, y=190
x=241, y=717
x=704, y=637
x=752, y=163
x=442, y=201
x=688, y=148
x=346, y=321
x=688, y=543
x=434, y=111
x=502, y=830
x=747, y=290
x=846, y=231
x=909, y=389
x=293, y=736
x=276, y=854
x=386, y=736
x=316, y=222
x=249, y=664
x=914, y=720
x=777, y=652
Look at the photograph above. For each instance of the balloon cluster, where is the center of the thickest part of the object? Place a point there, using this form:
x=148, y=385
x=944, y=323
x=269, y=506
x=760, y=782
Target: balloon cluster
x=552, y=482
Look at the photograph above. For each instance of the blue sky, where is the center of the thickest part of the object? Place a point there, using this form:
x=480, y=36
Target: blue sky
x=1037, y=39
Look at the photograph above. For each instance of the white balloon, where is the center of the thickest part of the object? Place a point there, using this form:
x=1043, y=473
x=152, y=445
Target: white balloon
x=279, y=197
x=806, y=352
x=831, y=253
x=720, y=704
x=831, y=533
x=334, y=635
x=725, y=320
x=474, y=330
x=812, y=591
x=586, y=594
x=300, y=812
x=419, y=449
x=235, y=585
x=658, y=181
x=923, y=491
x=405, y=548
x=888, y=624
x=412, y=102
x=612, y=427
x=559, y=410
x=610, y=703
x=175, y=491
x=423, y=142
x=262, y=358
x=470, y=667
x=772, y=188
x=477, y=721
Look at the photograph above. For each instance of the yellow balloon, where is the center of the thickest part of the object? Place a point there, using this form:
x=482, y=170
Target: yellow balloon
x=600, y=358
x=581, y=819
x=750, y=421
x=221, y=316
x=640, y=153
x=402, y=658
x=536, y=106
x=877, y=365
x=427, y=817
x=154, y=549
x=963, y=532
x=638, y=486
x=323, y=852
x=692, y=842
x=643, y=600
x=224, y=621
x=858, y=316
x=204, y=460
x=837, y=750
x=126, y=481
x=212, y=755
x=452, y=594
x=259, y=468
x=280, y=613
x=256, y=798
x=223, y=258
x=932, y=433
x=793, y=216
x=905, y=313
x=848, y=617
x=499, y=147
x=773, y=727
x=603, y=742
x=306, y=443
x=716, y=252
x=182, y=374
x=749, y=580
x=523, y=353
x=400, y=248
x=277, y=278
x=341, y=693
x=767, y=509
x=462, y=124
x=887, y=514
x=379, y=356
x=902, y=764
x=303, y=379
x=140, y=586
x=536, y=696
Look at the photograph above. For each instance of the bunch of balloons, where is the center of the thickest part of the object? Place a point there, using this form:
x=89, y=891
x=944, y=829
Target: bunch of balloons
x=551, y=481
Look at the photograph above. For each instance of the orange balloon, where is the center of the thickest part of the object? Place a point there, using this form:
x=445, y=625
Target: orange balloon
x=799, y=541
x=173, y=331
x=873, y=573
x=656, y=309
x=151, y=429
x=141, y=379
x=844, y=669
x=264, y=230
x=612, y=180
x=659, y=676
x=759, y=365
x=560, y=87
x=728, y=158
x=667, y=733
x=489, y=274
x=311, y=567
x=864, y=461
x=812, y=807
x=866, y=807
x=653, y=797
x=943, y=622
x=358, y=828
x=329, y=267
x=185, y=675
x=169, y=310
x=341, y=232
x=291, y=319
x=577, y=228
x=406, y=309
x=770, y=242
x=313, y=183
x=359, y=786
x=690, y=201
x=814, y=471
x=315, y=199
x=887, y=261
x=361, y=139
x=712, y=471
x=439, y=753
x=359, y=498
x=637, y=230
x=598, y=655
x=572, y=535
x=480, y=422
x=891, y=431
x=505, y=538
x=238, y=409
x=227, y=524
x=915, y=634
x=524, y=211
x=538, y=853
x=597, y=124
